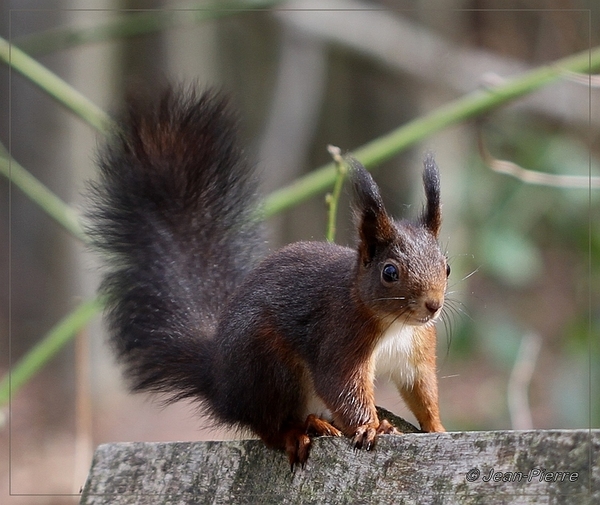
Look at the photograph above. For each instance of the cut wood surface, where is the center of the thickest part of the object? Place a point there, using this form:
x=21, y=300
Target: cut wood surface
x=492, y=467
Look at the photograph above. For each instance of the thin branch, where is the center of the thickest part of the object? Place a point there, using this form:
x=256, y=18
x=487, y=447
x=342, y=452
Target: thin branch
x=520, y=378
x=534, y=177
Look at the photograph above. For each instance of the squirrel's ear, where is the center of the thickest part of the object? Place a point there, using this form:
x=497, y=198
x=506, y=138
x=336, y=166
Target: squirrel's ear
x=375, y=227
x=431, y=216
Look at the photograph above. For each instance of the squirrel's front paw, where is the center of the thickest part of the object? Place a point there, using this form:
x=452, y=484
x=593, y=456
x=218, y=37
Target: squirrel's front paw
x=319, y=427
x=366, y=435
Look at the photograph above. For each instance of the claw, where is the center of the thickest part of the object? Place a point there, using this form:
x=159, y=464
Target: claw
x=365, y=436
x=386, y=428
x=297, y=447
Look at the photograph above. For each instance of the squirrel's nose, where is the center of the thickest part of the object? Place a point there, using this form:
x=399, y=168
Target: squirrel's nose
x=433, y=305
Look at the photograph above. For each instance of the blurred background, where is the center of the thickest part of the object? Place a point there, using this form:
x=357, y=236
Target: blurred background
x=519, y=347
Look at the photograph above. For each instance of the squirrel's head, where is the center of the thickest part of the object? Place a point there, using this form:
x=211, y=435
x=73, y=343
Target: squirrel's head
x=402, y=273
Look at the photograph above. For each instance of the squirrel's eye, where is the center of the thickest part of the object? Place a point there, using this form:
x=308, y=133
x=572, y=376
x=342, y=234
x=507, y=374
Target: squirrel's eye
x=448, y=270
x=389, y=273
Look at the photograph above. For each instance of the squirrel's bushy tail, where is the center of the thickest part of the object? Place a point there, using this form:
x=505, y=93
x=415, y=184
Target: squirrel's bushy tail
x=174, y=211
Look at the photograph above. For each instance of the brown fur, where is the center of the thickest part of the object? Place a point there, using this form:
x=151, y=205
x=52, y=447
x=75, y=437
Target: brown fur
x=422, y=397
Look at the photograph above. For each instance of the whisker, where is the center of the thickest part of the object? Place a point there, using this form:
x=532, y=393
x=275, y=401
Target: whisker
x=388, y=298
x=450, y=376
x=448, y=330
x=469, y=275
x=458, y=308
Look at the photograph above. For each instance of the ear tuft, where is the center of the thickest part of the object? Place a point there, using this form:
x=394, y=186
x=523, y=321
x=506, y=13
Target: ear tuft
x=432, y=213
x=376, y=228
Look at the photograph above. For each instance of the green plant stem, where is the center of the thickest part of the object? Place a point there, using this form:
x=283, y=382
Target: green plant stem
x=469, y=106
x=58, y=210
x=47, y=348
x=333, y=198
x=54, y=86
x=133, y=24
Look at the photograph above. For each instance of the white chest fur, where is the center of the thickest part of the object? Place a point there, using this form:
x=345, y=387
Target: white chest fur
x=394, y=355
x=394, y=359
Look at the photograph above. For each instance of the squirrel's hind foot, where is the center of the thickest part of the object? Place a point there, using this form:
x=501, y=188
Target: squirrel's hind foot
x=296, y=440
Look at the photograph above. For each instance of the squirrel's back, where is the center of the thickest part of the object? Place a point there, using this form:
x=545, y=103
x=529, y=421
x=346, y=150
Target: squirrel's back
x=174, y=210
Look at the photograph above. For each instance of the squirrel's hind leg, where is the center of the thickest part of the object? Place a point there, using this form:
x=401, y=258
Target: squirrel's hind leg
x=293, y=440
x=296, y=438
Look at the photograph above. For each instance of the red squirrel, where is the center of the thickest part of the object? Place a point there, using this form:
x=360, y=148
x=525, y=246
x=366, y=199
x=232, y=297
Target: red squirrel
x=287, y=346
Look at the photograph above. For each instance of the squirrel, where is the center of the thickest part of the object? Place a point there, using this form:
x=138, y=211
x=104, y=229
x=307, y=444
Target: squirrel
x=286, y=346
